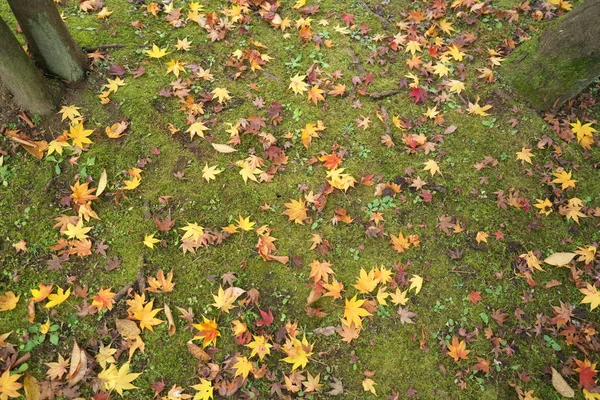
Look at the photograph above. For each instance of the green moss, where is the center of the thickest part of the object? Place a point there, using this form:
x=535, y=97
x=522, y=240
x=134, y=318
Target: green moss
x=385, y=346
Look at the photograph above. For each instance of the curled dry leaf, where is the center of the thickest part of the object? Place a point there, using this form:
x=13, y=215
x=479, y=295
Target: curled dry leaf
x=198, y=352
x=561, y=386
x=172, y=327
x=560, y=259
x=223, y=148
x=101, y=183
x=32, y=388
x=78, y=367
x=127, y=328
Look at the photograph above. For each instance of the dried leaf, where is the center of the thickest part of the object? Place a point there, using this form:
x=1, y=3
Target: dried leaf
x=560, y=259
x=223, y=148
x=561, y=386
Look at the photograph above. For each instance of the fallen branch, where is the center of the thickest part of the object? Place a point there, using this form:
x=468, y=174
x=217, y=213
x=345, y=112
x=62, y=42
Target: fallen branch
x=384, y=94
x=356, y=61
x=384, y=22
x=103, y=47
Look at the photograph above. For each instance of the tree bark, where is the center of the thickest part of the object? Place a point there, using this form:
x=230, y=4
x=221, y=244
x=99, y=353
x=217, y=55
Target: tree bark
x=552, y=69
x=21, y=77
x=49, y=40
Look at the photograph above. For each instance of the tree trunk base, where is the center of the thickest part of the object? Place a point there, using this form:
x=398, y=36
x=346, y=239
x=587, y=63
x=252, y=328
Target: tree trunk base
x=552, y=69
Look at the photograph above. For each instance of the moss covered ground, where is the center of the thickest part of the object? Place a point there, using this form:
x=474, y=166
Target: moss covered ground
x=403, y=359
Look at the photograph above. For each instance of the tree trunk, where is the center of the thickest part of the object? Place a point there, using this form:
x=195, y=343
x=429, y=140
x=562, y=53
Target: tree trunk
x=564, y=60
x=21, y=77
x=48, y=38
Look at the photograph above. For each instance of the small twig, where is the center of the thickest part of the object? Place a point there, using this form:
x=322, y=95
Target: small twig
x=356, y=61
x=462, y=272
x=384, y=94
x=384, y=22
x=103, y=47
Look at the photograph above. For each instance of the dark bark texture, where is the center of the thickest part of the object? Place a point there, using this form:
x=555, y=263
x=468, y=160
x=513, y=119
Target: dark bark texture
x=22, y=79
x=552, y=69
x=49, y=40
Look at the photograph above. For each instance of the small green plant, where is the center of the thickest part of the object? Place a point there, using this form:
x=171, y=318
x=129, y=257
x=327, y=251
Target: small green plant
x=384, y=203
x=5, y=172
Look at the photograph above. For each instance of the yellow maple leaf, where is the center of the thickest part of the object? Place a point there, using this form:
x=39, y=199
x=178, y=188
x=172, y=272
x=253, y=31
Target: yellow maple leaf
x=58, y=298
x=9, y=387
x=564, y=178
x=183, y=44
x=8, y=301
x=584, y=132
x=175, y=67
x=221, y=94
x=353, y=312
x=242, y=367
x=296, y=210
x=320, y=270
x=525, y=156
x=150, y=241
x=299, y=4
x=592, y=296
x=416, y=282
x=482, y=237
x=297, y=352
x=193, y=231
x=161, y=284
x=399, y=297
x=156, y=52
x=79, y=135
x=147, y=316
x=118, y=379
x=209, y=173
x=475, y=108
x=113, y=85
x=133, y=183
x=368, y=385
x=70, y=112
x=77, y=231
x=456, y=86
x=197, y=128
x=104, y=13
x=57, y=145
x=315, y=94
x=432, y=167
x=365, y=283
x=260, y=346
x=545, y=206
x=334, y=289
x=247, y=171
x=224, y=299
x=245, y=223
x=204, y=390
x=298, y=85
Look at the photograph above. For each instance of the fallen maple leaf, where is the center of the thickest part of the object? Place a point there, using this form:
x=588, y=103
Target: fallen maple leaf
x=458, y=350
x=296, y=211
x=9, y=387
x=118, y=379
x=58, y=298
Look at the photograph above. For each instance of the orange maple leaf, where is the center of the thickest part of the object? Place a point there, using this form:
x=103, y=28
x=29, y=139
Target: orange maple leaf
x=458, y=350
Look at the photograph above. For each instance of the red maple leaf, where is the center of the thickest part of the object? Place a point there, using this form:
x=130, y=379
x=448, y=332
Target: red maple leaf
x=348, y=19
x=418, y=94
x=587, y=372
x=475, y=297
x=267, y=318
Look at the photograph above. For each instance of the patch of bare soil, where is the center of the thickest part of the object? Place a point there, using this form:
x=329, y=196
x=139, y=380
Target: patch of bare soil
x=8, y=110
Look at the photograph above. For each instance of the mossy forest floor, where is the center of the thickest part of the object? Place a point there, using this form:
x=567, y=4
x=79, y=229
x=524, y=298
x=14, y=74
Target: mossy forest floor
x=470, y=230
